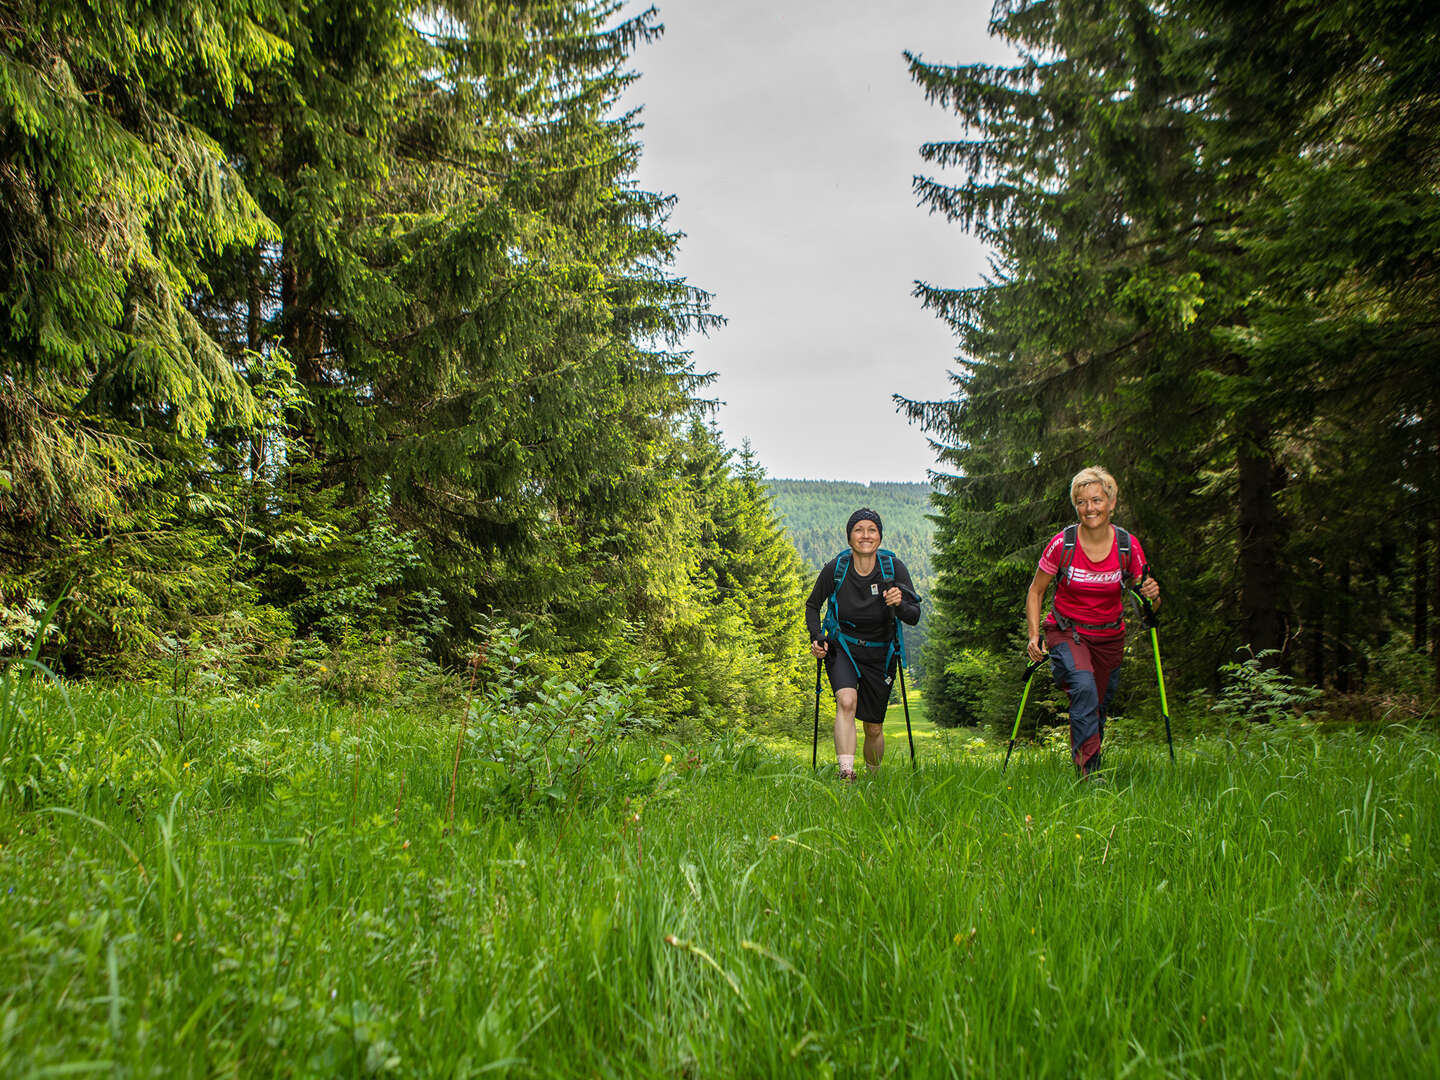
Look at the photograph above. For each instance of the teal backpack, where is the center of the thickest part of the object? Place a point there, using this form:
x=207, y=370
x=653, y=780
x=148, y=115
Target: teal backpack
x=831, y=622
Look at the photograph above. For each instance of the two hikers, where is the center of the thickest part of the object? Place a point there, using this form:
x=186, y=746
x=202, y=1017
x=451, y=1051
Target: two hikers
x=1092, y=563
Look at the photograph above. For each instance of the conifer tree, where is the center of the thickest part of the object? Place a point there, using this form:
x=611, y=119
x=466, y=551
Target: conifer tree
x=1189, y=288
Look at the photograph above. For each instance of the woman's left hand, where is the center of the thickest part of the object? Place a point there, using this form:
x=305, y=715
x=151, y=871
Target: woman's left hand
x=893, y=596
x=1150, y=588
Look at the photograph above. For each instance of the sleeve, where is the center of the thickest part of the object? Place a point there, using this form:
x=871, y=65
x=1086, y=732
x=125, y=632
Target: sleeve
x=1050, y=557
x=824, y=585
x=909, y=609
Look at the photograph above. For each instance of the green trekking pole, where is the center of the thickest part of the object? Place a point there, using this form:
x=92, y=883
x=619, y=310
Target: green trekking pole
x=1024, y=697
x=1151, y=619
x=815, y=745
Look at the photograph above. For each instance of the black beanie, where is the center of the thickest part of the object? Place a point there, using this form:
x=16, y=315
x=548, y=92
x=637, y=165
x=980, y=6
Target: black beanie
x=863, y=514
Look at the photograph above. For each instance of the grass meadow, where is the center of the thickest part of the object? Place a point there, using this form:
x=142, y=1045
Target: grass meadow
x=284, y=893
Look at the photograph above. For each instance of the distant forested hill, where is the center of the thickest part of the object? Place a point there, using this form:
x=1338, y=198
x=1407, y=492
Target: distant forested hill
x=814, y=513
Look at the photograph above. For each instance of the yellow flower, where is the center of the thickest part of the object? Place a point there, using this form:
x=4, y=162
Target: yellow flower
x=323, y=669
x=668, y=759
x=774, y=836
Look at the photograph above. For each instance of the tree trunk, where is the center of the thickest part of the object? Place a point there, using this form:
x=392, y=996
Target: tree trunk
x=1315, y=632
x=1344, y=655
x=1435, y=602
x=1259, y=538
x=1422, y=584
x=302, y=336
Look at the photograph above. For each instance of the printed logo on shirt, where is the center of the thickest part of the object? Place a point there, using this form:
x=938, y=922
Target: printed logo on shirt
x=1081, y=576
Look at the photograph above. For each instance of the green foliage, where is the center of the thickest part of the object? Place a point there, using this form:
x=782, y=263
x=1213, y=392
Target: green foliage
x=1254, y=690
x=336, y=330
x=957, y=694
x=538, y=735
x=25, y=740
x=1187, y=290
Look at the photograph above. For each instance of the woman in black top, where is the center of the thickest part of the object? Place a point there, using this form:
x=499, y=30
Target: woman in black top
x=861, y=658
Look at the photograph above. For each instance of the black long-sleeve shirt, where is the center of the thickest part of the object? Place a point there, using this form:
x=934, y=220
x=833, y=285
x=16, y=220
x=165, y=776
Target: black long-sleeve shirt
x=863, y=611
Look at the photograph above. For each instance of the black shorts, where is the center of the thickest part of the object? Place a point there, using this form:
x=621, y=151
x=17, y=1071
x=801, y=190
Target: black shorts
x=872, y=688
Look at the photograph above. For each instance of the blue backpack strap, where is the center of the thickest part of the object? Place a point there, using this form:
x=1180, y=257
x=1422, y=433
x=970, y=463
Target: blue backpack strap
x=831, y=624
x=887, y=573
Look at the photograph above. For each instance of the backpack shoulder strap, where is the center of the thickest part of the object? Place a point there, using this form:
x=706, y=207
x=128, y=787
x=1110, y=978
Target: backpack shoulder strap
x=842, y=567
x=887, y=564
x=1067, y=552
x=1124, y=542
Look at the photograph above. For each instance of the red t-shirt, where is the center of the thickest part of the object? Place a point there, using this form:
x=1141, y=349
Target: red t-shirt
x=1091, y=593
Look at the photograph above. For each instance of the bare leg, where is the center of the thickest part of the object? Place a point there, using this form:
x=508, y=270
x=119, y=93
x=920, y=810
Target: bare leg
x=845, y=702
x=874, y=745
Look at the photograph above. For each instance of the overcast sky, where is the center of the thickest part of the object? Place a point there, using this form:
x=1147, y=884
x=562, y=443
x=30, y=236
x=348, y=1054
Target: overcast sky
x=789, y=131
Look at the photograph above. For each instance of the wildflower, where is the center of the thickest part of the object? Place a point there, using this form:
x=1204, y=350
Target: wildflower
x=186, y=765
x=958, y=939
x=178, y=935
x=404, y=845
x=774, y=836
x=1077, y=836
x=668, y=759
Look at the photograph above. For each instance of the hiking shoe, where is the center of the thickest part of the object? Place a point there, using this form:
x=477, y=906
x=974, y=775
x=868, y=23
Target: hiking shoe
x=846, y=774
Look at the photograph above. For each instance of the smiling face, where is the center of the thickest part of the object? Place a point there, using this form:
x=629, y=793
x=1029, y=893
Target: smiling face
x=1093, y=506
x=865, y=538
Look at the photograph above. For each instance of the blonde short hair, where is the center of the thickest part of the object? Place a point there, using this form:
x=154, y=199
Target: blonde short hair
x=1094, y=475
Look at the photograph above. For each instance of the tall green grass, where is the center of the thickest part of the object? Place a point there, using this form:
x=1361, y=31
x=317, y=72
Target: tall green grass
x=252, y=903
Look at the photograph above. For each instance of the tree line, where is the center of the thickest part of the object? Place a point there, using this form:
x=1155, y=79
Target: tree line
x=344, y=329
x=1215, y=272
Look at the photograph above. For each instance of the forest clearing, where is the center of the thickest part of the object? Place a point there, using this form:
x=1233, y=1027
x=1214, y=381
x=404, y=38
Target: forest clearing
x=406, y=668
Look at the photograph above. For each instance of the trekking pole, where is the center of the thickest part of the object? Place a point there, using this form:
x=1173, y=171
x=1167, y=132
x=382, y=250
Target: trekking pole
x=886, y=586
x=815, y=745
x=1150, y=621
x=906, y=704
x=1025, y=696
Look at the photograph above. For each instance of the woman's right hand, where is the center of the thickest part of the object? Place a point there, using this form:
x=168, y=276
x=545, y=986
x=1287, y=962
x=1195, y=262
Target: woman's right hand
x=1035, y=650
x=819, y=649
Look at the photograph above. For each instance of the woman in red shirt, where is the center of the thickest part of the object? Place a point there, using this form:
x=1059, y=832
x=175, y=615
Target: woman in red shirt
x=1084, y=633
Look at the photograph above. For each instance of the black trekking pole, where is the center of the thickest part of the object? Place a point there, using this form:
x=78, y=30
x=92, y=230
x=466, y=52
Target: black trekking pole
x=886, y=586
x=906, y=705
x=1150, y=620
x=1024, y=697
x=815, y=745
